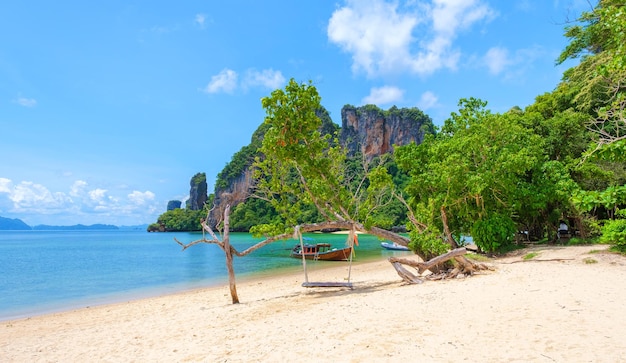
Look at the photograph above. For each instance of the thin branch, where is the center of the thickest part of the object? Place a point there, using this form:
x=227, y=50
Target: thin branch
x=198, y=241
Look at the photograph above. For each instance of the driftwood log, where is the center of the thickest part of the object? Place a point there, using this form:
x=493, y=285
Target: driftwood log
x=463, y=266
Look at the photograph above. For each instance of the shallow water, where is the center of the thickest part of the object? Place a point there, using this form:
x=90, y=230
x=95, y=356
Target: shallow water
x=46, y=271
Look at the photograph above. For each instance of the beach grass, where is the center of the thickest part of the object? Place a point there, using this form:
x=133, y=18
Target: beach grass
x=530, y=256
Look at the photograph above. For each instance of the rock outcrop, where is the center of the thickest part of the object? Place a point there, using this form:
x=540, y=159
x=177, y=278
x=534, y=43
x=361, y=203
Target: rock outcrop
x=174, y=204
x=368, y=130
x=198, y=192
x=374, y=132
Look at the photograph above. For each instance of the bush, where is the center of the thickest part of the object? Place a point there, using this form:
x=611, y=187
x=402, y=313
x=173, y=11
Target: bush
x=614, y=233
x=494, y=232
x=427, y=242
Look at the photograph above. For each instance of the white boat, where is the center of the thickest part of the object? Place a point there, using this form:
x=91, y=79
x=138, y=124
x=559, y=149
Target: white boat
x=393, y=246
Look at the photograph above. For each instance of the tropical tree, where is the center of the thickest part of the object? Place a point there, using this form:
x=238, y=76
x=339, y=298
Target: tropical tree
x=302, y=166
x=473, y=178
x=599, y=38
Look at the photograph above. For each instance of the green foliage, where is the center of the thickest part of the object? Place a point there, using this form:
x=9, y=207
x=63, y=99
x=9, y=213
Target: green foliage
x=599, y=38
x=270, y=229
x=477, y=167
x=234, y=169
x=198, y=178
x=181, y=220
x=530, y=256
x=154, y=227
x=609, y=198
x=576, y=241
x=299, y=166
x=494, y=232
x=253, y=211
x=615, y=151
x=369, y=108
x=429, y=242
x=614, y=233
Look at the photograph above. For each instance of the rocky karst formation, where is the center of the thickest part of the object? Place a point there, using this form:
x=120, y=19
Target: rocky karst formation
x=197, y=192
x=367, y=129
x=374, y=132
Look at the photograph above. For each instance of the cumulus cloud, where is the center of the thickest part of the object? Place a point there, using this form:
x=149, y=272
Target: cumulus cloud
x=78, y=188
x=31, y=196
x=5, y=185
x=227, y=81
x=384, y=38
x=26, y=102
x=97, y=195
x=267, y=78
x=141, y=198
x=511, y=66
x=79, y=203
x=427, y=101
x=383, y=95
x=199, y=20
x=496, y=59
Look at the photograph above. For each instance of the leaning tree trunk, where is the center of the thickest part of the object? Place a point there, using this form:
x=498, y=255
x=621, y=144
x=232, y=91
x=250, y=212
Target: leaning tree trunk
x=229, y=257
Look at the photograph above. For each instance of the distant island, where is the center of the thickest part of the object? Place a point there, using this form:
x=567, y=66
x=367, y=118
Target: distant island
x=77, y=227
x=8, y=224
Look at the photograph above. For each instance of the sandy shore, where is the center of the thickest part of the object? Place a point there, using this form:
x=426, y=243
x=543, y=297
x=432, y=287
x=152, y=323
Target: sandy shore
x=559, y=307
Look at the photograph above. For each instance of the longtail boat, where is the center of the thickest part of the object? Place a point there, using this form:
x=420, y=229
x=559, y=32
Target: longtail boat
x=321, y=251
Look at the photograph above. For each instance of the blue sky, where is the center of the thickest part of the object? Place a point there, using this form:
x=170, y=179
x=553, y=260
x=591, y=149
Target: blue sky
x=108, y=108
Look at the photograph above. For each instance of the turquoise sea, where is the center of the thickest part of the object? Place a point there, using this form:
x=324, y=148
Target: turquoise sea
x=47, y=271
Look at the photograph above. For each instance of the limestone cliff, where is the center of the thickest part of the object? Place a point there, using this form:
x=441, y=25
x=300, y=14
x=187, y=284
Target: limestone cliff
x=368, y=130
x=173, y=204
x=197, y=192
x=235, y=180
x=373, y=132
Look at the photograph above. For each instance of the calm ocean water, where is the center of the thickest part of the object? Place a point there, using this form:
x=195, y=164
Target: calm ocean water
x=46, y=271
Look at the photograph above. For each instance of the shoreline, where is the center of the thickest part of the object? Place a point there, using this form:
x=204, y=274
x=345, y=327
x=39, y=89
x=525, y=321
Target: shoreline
x=564, y=305
x=121, y=297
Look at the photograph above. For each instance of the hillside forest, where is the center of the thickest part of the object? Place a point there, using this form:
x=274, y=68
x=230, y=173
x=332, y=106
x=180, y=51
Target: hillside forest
x=502, y=178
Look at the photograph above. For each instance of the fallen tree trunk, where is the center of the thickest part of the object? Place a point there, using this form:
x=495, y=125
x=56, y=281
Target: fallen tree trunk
x=464, y=266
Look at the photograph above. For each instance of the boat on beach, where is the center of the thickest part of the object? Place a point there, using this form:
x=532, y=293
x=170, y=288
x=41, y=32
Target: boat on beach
x=321, y=251
x=394, y=246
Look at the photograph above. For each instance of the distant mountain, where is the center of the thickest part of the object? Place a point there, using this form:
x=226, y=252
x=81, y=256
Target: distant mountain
x=76, y=227
x=139, y=227
x=7, y=224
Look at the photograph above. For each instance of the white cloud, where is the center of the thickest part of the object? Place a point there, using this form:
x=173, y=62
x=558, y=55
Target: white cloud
x=496, y=59
x=141, y=198
x=98, y=195
x=510, y=66
x=78, y=188
x=384, y=38
x=267, y=78
x=427, y=100
x=5, y=185
x=225, y=81
x=200, y=19
x=26, y=102
x=79, y=204
x=31, y=196
x=383, y=95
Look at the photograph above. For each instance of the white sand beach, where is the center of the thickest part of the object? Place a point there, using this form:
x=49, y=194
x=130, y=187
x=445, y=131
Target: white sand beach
x=565, y=305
